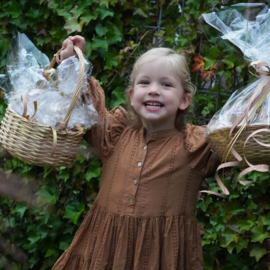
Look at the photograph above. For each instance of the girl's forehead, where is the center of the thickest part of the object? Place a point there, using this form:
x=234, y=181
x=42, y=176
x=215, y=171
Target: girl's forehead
x=156, y=65
x=156, y=61
x=161, y=67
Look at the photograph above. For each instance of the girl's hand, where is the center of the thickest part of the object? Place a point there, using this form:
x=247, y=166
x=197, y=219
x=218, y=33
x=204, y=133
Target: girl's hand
x=45, y=74
x=67, y=49
x=79, y=41
x=67, y=46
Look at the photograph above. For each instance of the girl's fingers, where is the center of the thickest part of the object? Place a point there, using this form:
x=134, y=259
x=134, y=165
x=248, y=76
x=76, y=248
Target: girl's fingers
x=68, y=50
x=66, y=41
x=78, y=41
x=75, y=40
x=64, y=44
x=44, y=74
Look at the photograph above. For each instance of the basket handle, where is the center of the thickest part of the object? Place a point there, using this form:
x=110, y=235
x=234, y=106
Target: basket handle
x=77, y=90
x=79, y=82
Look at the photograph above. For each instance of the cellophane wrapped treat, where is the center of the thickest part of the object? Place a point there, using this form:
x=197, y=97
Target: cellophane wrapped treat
x=248, y=27
x=25, y=64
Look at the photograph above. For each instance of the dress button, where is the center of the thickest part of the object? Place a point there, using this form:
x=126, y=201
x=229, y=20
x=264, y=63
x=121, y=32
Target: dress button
x=134, y=182
x=139, y=164
x=145, y=148
x=131, y=200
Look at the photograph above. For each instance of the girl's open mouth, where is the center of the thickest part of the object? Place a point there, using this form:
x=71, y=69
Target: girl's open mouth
x=153, y=106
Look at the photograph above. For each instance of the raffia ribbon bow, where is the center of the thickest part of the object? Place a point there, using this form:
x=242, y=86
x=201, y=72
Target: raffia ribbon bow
x=260, y=93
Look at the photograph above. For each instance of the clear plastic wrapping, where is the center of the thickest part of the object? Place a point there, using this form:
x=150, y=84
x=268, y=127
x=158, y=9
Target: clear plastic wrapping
x=24, y=77
x=248, y=27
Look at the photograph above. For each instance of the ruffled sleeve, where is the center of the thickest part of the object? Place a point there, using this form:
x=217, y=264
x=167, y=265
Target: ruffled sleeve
x=200, y=156
x=104, y=136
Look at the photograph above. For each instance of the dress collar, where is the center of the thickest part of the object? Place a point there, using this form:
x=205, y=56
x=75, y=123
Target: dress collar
x=161, y=133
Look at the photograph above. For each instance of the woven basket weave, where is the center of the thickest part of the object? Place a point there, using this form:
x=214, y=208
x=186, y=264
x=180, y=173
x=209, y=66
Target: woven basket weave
x=255, y=153
x=32, y=142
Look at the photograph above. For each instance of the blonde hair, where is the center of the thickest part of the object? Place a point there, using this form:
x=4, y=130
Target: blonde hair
x=180, y=66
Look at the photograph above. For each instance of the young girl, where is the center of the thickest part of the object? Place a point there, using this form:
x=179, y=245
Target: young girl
x=153, y=165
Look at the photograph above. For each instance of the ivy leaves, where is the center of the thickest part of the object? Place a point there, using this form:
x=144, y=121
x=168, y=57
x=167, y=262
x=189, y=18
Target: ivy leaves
x=72, y=25
x=47, y=195
x=207, y=66
x=83, y=13
x=73, y=211
x=234, y=231
x=13, y=8
x=239, y=225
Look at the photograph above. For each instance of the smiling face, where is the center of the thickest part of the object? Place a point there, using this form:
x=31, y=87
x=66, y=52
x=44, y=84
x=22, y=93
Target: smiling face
x=158, y=94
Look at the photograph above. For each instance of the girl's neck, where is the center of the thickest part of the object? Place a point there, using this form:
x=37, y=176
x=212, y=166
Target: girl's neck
x=151, y=129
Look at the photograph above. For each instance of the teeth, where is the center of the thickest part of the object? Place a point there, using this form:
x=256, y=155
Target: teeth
x=155, y=104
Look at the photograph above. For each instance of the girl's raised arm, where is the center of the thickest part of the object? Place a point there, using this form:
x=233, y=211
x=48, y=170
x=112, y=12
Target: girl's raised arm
x=104, y=136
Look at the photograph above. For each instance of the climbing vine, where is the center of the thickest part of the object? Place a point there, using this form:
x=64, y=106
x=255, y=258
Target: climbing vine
x=42, y=208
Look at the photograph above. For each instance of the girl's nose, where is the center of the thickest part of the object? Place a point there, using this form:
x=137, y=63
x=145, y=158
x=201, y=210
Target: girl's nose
x=153, y=89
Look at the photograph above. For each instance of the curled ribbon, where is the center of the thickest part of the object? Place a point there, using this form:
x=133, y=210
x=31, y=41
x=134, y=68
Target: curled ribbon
x=28, y=117
x=258, y=97
x=24, y=114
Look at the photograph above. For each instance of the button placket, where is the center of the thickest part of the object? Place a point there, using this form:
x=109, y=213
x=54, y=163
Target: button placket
x=131, y=190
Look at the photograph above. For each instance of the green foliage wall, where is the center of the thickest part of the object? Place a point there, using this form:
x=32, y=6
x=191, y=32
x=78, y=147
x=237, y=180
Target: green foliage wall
x=43, y=208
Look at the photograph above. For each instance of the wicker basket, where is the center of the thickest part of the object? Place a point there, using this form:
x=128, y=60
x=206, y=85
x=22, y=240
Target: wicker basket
x=41, y=145
x=255, y=153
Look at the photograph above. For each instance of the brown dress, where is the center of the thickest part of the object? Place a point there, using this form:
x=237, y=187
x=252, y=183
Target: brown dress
x=143, y=217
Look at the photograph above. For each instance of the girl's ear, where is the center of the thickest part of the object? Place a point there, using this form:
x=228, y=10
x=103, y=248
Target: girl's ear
x=130, y=93
x=186, y=100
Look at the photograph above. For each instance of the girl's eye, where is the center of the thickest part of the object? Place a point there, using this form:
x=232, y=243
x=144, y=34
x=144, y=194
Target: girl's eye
x=166, y=84
x=144, y=82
